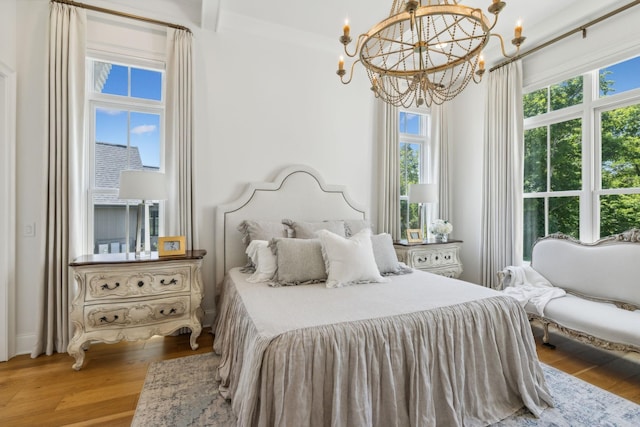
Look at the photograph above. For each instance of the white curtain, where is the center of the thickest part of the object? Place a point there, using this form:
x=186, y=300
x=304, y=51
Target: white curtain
x=180, y=208
x=440, y=161
x=501, y=240
x=64, y=204
x=389, y=167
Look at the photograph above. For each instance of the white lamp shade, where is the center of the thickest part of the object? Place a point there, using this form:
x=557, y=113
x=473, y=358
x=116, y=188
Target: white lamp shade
x=423, y=193
x=142, y=185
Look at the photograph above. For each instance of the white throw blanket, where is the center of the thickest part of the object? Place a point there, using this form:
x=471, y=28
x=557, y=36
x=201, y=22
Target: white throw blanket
x=527, y=285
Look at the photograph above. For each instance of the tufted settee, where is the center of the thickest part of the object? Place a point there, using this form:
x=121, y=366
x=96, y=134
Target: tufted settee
x=602, y=284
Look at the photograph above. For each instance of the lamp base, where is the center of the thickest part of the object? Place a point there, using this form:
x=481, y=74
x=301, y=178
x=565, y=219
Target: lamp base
x=143, y=252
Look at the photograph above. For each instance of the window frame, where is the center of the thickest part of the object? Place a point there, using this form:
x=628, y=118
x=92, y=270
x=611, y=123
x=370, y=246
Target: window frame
x=589, y=111
x=426, y=155
x=95, y=100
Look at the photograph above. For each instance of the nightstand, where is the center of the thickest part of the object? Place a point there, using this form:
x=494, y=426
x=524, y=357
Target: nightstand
x=441, y=258
x=118, y=297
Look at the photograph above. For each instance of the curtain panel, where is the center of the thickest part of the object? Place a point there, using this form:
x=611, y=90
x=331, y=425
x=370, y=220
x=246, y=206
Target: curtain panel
x=389, y=171
x=180, y=208
x=64, y=200
x=501, y=239
x=440, y=161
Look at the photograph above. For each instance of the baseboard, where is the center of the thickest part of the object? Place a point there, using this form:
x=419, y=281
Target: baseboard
x=24, y=344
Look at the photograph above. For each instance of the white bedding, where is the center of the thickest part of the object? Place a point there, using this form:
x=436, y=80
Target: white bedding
x=420, y=350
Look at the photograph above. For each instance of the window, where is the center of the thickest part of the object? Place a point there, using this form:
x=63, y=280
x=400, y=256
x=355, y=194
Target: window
x=413, y=131
x=582, y=155
x=126, y=131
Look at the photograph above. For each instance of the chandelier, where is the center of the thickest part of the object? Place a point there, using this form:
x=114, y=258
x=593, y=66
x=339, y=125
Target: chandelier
x=425, y=54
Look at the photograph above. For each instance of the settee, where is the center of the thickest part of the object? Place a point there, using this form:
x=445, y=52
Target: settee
x=602, y=283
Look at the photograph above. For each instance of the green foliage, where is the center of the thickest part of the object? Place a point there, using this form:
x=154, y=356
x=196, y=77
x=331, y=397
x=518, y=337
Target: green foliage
x=409, y=174
x=620, y=168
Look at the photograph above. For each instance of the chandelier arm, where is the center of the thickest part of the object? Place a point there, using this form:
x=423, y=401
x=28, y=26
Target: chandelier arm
x=394, y=52
x=350, y=73
x=504, y=53
x=359, y=43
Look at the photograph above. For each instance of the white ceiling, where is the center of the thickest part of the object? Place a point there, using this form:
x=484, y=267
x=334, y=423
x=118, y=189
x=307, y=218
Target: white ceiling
x=542, y=19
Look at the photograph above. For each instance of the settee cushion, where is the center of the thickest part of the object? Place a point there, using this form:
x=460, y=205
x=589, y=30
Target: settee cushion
x=601, y=320
x=609, y=271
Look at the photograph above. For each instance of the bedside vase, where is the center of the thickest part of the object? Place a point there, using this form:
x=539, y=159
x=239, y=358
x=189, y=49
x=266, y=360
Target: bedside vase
x=442, y=237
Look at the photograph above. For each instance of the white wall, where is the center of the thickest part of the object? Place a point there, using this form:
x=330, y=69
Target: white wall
x=264, y=100
x=607, y=42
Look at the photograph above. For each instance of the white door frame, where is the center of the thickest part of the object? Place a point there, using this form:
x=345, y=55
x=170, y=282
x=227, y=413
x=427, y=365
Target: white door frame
x=7, y=211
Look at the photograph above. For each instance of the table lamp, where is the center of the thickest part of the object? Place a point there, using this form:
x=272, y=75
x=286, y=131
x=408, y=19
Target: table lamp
x=144, y=186
x=421, y=194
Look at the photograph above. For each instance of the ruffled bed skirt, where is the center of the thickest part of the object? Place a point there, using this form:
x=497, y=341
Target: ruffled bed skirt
x=470, y=364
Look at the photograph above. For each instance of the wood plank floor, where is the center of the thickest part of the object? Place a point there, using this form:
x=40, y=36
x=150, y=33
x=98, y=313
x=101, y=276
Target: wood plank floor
x=47, y=392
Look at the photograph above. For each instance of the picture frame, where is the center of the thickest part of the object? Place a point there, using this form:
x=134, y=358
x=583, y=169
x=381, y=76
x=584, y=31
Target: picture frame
x=171, y=245
x=414, y=235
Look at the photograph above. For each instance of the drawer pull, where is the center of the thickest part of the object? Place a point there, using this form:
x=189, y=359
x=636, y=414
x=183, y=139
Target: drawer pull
x=172, y=311
x=422, y=259
x=108, y=288
x=140, y=283
x=104, y=319
x=170, y=282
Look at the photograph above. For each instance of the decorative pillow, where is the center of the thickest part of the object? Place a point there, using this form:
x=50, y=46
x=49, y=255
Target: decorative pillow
x=298, y=261
x=307, y=230
x=353, y=226
x=385, y=256
x=263, y=259
x=349, y=261
x=261, y=230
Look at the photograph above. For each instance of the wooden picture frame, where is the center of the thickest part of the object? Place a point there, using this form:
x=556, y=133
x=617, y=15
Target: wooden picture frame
x=171, y=245
x=414, y=235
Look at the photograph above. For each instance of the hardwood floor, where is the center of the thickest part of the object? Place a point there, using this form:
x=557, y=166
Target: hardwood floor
x=47, y=392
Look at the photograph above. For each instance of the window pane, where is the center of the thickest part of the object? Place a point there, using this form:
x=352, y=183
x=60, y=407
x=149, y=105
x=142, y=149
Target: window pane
x=620, y=77
x=533, y=226
x=409, y=166
x=566, y=155
x=145, y=139
x=110, y=224
x=621, y=147
x=535, y=160
x=111, y=154
x=409, y=123
x=566, y=94
x=564, y=215
x=618, y=213
x=146, y=84
x=110, y=78
x=535, y=103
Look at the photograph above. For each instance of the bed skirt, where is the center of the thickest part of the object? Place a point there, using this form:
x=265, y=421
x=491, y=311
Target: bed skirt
x=469, y=364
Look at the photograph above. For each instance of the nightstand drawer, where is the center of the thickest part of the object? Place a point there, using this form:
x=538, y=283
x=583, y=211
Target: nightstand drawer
x=123, y=315
x=117, y=284
x=434, y=258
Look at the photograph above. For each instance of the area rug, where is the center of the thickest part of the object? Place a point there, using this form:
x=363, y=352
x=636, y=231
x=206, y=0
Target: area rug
x=181, y=392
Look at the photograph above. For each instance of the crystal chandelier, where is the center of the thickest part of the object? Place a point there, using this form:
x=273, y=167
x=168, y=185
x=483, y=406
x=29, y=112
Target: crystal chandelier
x=425, y=54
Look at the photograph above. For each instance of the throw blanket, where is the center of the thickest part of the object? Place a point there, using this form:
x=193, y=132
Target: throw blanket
x=529, y=286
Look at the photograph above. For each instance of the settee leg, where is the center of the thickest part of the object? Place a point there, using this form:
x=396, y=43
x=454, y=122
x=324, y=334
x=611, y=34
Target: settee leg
x=545, y=336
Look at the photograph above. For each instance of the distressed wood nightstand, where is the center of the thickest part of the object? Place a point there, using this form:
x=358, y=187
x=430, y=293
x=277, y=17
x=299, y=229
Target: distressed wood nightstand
x=120, y=298
x=441, y=258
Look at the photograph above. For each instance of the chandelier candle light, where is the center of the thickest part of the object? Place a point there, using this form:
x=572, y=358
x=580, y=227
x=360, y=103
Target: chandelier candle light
x=425, y=54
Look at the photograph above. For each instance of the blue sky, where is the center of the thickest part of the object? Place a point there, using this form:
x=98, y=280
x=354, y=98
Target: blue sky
x=624, y=75
x=143, y=129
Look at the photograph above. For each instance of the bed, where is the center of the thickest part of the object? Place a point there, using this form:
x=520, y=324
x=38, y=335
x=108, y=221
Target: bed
x=410, y=350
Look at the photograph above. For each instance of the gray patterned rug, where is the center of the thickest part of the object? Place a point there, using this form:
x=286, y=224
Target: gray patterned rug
x=180, y=392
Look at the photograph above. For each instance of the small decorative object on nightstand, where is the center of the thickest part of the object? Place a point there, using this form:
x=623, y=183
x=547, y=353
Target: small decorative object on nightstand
x=441, y=258
x=121, y=298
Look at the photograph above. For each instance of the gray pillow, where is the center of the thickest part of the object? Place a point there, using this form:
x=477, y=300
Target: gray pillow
x=307, y=230
x=261, y=230
x=299, y=261
x=385, y=255
x=353, y=226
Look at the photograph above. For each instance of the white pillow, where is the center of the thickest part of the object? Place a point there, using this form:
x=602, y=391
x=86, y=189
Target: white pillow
x=349, y=261
x=264, y=260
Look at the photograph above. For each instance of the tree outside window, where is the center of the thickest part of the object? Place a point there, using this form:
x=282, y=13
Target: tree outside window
x=561, y=193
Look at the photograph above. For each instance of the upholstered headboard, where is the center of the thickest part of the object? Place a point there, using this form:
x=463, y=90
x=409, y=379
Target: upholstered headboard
x=298, y=193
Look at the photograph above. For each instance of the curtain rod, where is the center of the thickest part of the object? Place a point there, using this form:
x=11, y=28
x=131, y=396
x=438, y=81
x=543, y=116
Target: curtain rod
x=582, y=29
x=122, y=14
